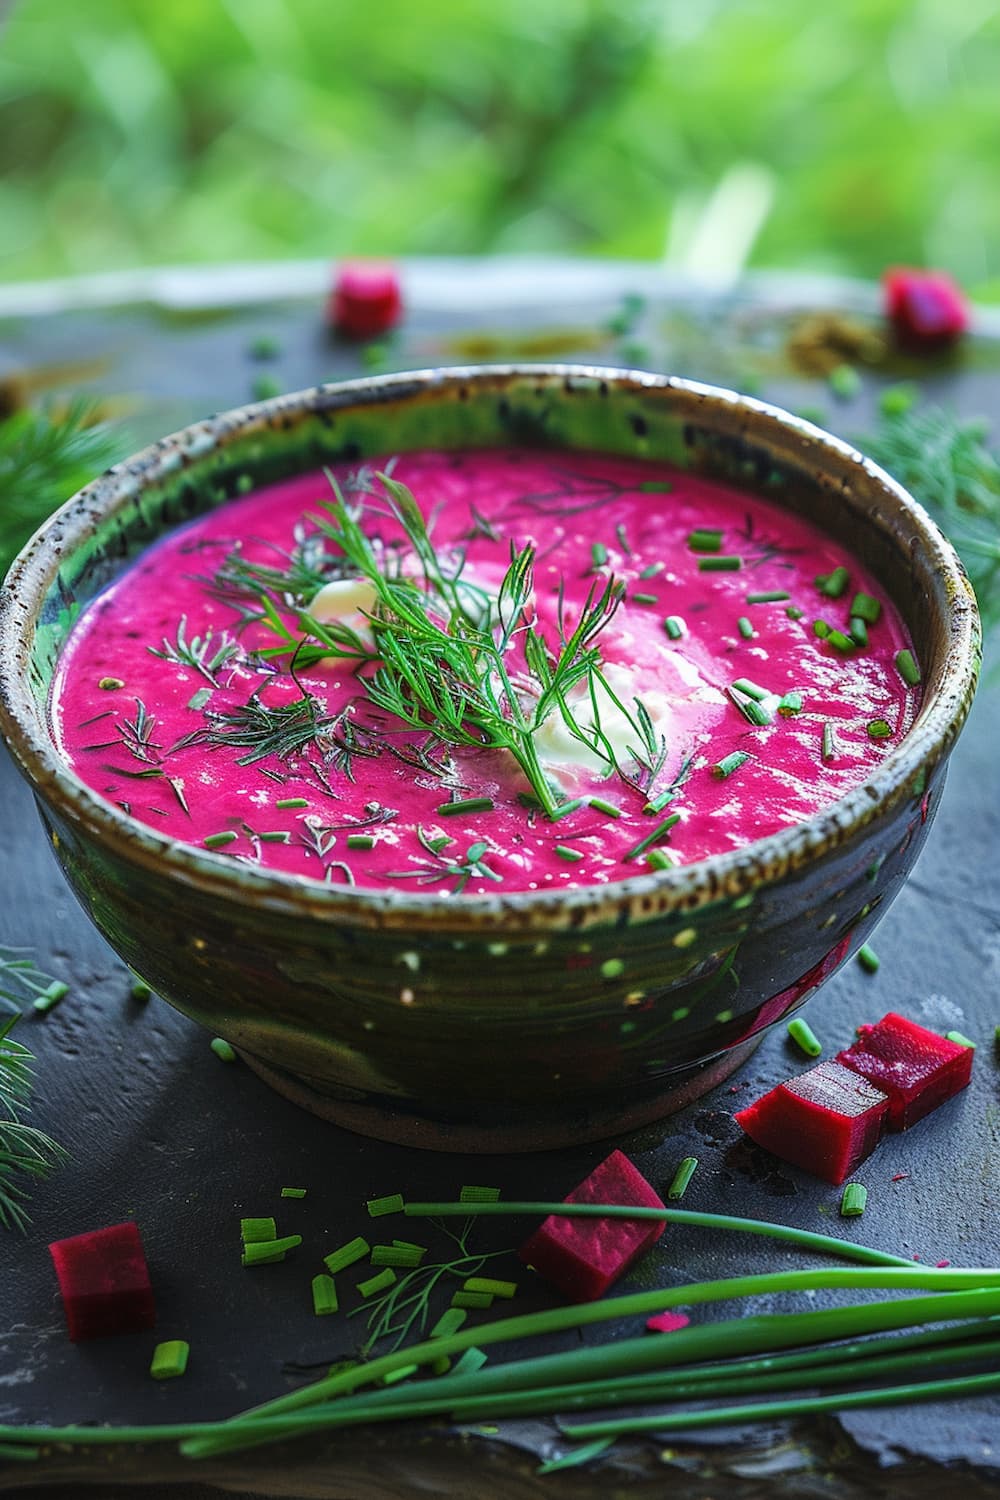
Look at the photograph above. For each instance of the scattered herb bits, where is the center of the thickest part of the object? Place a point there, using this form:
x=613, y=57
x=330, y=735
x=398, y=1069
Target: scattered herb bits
x=853, y=1200
x=347, y=1255
x=682, y=1178
x=834, y=585
x=169, y=1359
x=293, y=1192
x=868, y=958
x=879, y=729
x=675, y=627
x=223, y=1050
x=730, y=763
x=721, y=564
x=907, y=668
x=392, y=1203
x=705, y=539
x=472, y=1193
x=255, y=1231
x=267, y=1252
x=324, y=1295
x=378, y=1283
x=804, y=1037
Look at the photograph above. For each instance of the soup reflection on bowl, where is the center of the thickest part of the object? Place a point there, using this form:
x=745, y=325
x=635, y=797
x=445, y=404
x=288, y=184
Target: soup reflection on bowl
x=490, y=755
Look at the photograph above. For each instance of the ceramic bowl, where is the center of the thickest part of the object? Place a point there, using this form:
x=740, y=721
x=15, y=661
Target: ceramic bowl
x=494, y=1022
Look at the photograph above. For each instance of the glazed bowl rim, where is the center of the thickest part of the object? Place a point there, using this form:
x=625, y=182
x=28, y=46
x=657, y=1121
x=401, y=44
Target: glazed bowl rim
x=682, y=888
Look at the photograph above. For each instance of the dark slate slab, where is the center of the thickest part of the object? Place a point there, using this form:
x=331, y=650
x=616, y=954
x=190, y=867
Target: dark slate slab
x=161, y=1131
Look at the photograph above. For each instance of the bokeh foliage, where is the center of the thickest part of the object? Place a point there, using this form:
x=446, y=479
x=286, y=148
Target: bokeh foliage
x=868, y=131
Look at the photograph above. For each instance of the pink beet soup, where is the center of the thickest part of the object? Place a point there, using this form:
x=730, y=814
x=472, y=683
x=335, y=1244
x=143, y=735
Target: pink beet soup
x=739, y=672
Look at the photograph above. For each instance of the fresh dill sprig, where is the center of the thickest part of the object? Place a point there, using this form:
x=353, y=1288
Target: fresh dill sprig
x=945, y=462
x=264, y=730
x=200, y=652
x=44, y=458
x=24, y=1151
x=438, y=867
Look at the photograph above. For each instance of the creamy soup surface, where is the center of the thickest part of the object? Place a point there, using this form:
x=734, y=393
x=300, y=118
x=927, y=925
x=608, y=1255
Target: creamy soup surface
x=737, y=672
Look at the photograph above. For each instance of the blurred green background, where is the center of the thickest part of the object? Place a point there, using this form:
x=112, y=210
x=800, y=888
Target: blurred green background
x=709, y=133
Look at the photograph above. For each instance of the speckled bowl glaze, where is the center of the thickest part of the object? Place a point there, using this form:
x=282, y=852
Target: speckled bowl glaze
x=504, y=1022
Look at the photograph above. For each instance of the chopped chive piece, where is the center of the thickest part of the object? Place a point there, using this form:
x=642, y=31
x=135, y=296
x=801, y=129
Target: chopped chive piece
x=655, y=486
x=753, y=711
x=803, y=1036
x=821, y=629
x=745, y=628
x=279, y=836
x=769, y=596
x=472, y=1193
x=222, y=1049
x=659, y=832
x=140, y=990
x=868, y=958
x=284, y=802
x=675, y=627
x=598, y=554
x=622, y=536
x=957, y=1036
x=719, y=564
x=401, y=1372
x=397, y=1255
x=841, y=642
x=682, y=1177
x=448, y=1323
x=729, y=763
x=659, y=802
x=324, y=1295
x=859, y=630
x=705, y=539
x=470, y=1361
x=169, y=1359
x=266, y=1252
x=794, y=613
x=409, y=1245
x=572, y=856
x=200, y=698
x=254, y=1231
x=907, y=668
x=607, y=808
x=644, y=598
x=360, y=841
x=659, y=859
x=354, y=1250
x=293, y=1192
x=853, y=1200
x=385, y=1278
x=829, y=749
x=834, y=584
x=866, y=608
x=565, y=808
x=652, y=570
x=790, y=703
x=392, y=1203
x=491, y=1286
x=879, y=729
x=219, y=840
x=56, y=991
x=750, y=689
x=472, y=1299
x=844, y=381
x=465, y=805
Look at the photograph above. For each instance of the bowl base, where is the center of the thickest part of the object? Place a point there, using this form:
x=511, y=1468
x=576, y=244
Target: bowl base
x=505, y=1130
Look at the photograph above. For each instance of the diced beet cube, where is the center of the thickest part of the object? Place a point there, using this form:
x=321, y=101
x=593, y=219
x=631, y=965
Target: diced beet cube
x=366, y=300
x=582, y=1257
x=927, y=309
x=917, y=1068
x=825, y=1121
x=104, y=1281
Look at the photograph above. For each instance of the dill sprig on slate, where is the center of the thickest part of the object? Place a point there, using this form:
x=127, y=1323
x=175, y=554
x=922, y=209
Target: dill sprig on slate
x=945, y=462
x=24, y=1151
x=44, y=458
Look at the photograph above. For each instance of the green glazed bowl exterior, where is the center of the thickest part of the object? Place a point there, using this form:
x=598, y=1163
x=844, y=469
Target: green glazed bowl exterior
x=504, y=1021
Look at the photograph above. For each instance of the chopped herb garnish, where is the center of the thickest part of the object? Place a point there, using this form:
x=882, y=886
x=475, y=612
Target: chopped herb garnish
x=290, y=802
x=794, y=613
x=652, y=570
x=960, y=1039
x=751, y=689
x=675, y=627
x=705, y=539
x=293, y=1192
x=473, y=1193
x=804, y=1037
x=324, y=1295
x=770, y=596
x=907, y=668
x=598, y=555
x=834, y=584
x=719, y=564
x=644, y=598
x=745, y=628
x=853, y=1200
x=360, y=841
x=355, y=1250
x=472, y=1299
x=391, y=1203
x=607, y=808
x=572, y=856
x=868, y=958
x=268, y=1252
x=222, y=1049
x=757, y=713
x=465, y=805
x=879, y=729
x=565, y=808
x=840, y=642
x=169, y=1359
x=866, y=608
x=659, y=832
x=844, y=382
x=219, y=840
x=859, y=630
x=790, y=703
x=729, y=763
x=682, y=1178
x=829, y=747
x=659, y=859
x=378, y=1283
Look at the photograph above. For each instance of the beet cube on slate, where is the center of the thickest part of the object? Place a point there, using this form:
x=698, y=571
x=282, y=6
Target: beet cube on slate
x=917, y=1068
x=825, y=1121
x=582, y=1257
x=104, y=1281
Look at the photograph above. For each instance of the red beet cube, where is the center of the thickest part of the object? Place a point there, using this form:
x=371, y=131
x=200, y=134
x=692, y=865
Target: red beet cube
x=104, y=1281
x=582, y=1257
x=916, y=1068
x=927, y=309
x=366, y=300
x=825, y=1121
